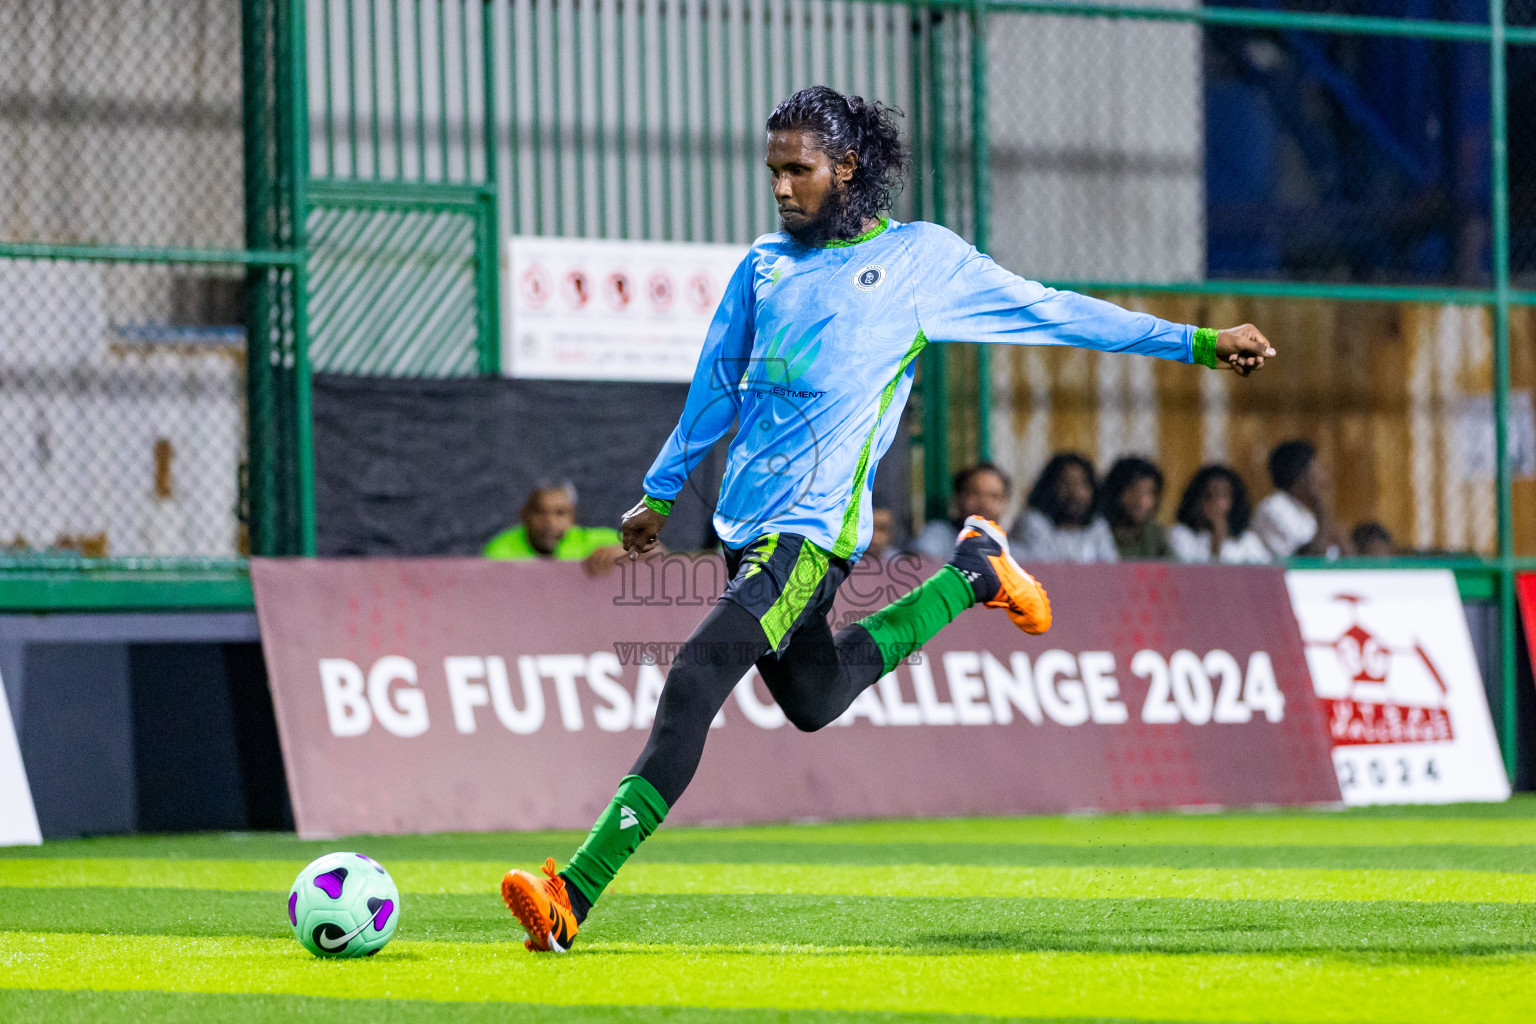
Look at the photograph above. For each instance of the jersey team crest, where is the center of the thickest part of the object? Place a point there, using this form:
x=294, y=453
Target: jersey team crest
x=869, y=278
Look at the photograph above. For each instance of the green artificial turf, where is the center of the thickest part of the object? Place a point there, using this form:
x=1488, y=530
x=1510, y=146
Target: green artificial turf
x=1387, y=915
x=52, y=1007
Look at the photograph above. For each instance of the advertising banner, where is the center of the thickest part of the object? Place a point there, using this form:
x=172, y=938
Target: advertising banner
x=1391, y=658
x=18, y=818
x=600, y=309
x=456, y=694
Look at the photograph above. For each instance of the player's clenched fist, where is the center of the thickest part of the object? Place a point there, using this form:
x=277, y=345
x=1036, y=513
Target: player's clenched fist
x=640, y=528
x=1243, y=349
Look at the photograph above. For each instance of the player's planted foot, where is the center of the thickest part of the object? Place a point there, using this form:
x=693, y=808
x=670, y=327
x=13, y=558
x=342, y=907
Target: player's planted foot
x=981, y=554
x=543, y=907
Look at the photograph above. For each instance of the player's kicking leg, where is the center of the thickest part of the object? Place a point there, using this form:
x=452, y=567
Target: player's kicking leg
x=981, y=555
x=543, y=906
x=721, y=650
x=818, y=675
x=812, y=687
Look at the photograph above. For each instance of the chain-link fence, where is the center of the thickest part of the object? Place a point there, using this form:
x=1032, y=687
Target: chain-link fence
x=121, y=409
x=1220, y=162
x=330, y=180
x=122, y=425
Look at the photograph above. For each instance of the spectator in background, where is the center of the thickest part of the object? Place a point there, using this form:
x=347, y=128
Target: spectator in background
x=1372, y=540
x=1295, y=519
x=882, y=538
x=1213, y=521
x=549, y=530
x=980, y=490
x=1058, y=524
x=1128, y=501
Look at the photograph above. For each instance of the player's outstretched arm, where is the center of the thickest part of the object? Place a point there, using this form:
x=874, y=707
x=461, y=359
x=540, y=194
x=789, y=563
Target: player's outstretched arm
x=1243, y=349
x=968, y=297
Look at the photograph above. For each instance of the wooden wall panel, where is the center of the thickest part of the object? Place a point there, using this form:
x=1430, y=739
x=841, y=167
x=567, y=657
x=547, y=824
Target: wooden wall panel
x=1391, y=395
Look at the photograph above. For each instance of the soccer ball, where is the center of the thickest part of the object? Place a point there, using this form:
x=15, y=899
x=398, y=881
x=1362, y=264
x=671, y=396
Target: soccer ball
x=344, y=905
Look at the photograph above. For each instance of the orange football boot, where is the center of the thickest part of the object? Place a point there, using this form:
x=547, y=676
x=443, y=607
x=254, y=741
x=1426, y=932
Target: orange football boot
x=543, y=907
x=981, y=554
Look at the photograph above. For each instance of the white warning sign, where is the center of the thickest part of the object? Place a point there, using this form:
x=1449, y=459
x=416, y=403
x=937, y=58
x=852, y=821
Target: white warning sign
x=599, y=309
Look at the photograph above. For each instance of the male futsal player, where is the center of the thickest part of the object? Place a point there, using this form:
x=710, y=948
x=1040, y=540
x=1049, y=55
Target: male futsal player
x=812, y=351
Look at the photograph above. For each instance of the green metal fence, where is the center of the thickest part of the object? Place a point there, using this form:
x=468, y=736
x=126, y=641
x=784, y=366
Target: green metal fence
x=128, y=266
x=208, y=202
x=402, y=281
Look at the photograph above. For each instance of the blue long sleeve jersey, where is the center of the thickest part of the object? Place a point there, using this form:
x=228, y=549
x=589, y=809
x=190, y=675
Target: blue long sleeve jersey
x=813, y=351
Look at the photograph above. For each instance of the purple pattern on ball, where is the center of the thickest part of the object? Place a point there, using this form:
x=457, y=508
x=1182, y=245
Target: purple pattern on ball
x=381, y=917
x=330, y=882
x=293, y=912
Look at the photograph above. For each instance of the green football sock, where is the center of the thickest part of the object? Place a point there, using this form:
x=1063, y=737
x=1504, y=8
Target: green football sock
x=906, y=624
x=635, y=812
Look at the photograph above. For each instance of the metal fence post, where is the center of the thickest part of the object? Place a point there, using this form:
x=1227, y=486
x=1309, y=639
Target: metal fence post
x=928, y=145
x=303, y=496
x=490, y=294
x=1499, y=130
x=981, y=213
x=260, y=233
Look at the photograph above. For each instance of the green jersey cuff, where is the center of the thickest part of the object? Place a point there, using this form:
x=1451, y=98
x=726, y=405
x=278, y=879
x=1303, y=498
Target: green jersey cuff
x=1203, y=348
x=662, y=506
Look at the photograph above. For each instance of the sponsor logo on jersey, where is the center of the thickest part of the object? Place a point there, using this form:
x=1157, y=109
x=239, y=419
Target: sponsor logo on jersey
x=782, y=361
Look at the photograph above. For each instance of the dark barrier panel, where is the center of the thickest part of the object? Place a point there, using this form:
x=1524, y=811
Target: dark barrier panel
x=437, y=467
x=446, y=694
x=144, y=722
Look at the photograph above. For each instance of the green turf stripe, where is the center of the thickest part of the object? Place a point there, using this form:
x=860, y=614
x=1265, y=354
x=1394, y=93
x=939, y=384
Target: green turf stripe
x=1519, y=859
x=700, y=847
x=1496, y=825
x=1403, y=990
x=1178, y=830
x=154, y=873
x=518, y=847
x=828, y=879
x=903, y=925
x=22, y=1006
x=1081, y=883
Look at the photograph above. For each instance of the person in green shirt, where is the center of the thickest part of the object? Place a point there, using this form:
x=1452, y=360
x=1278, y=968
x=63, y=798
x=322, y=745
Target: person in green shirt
x=549, y=530
x=1128, y=501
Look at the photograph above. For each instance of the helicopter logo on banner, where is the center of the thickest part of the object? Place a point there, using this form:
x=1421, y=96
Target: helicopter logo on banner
x=1377, y=691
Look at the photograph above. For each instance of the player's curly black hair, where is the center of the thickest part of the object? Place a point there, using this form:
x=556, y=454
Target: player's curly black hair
x=842, y=123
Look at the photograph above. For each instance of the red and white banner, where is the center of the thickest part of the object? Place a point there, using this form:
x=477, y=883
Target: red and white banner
x=455, y=694
x=1391, y=658
x=18, y=818
x=600, y=309
x=1525, y=592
